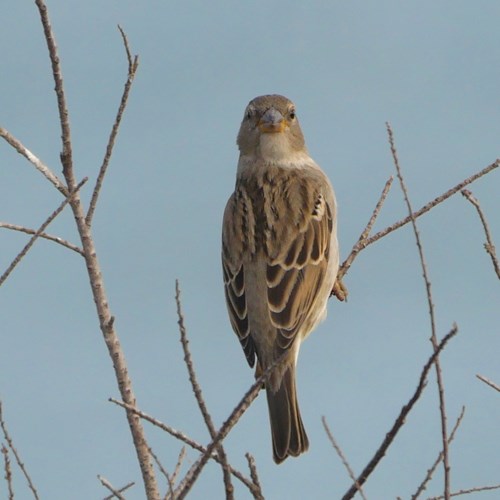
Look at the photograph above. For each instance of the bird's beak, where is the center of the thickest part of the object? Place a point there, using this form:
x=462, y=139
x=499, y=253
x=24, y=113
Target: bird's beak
x=272, y=122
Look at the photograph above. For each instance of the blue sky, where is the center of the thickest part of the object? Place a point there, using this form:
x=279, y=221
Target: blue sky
x=432, y=69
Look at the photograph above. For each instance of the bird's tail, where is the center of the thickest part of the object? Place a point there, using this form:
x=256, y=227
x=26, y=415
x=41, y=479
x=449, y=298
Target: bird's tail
x=287, y=429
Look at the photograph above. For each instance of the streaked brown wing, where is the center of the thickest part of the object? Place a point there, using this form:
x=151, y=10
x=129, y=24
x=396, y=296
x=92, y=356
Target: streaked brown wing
x=297, y=266
x=234, y=243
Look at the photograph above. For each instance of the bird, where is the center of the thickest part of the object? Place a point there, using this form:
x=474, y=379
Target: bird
x=280, y=256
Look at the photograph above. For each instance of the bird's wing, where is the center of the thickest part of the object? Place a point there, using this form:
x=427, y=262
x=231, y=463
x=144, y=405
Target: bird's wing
x=236, y=241
x=300, y=221
x=287, y=220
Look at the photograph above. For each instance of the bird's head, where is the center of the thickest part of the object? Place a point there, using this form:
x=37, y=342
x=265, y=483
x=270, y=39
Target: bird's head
x=270, y=129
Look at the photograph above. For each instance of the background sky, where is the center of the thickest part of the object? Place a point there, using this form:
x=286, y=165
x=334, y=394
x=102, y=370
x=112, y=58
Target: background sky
x=432, y=69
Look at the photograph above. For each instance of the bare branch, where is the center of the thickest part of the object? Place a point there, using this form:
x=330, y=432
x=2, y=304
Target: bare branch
x=361, y=245
x=182, y=437
x=471, y=490
x=106, y=319
x=425, y=274
x=489, y=382
x=8, y=472
x=55, y=239
x=358, y=246
x=257, y=492
x=340, y=453
x=39, y=165
x=173, y=478
x=438, y=460
x=199, y=396
x=66, y=154
x=132, y=69
x=20, y=464
x=108, y=485
x=121, y=490
x=39, y=231
x=389, y=438
x=236, y=414
x=488, y=246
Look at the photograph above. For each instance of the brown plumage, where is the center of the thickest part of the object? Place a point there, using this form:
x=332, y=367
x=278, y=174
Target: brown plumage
x=279, y=255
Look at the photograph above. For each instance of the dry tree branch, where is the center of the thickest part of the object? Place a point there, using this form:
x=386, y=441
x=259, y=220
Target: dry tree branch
x=132, y=69
x=488, y=246
x=366, y=231
x=8, y=471
x=361, y=245
x=20, y=464
x=340, y=453
x=40, y=230
x=471, y=490
x=109, y=486
x=231, y=421
x=438, y=460
x=425, y=274
x=489, y=382
x=399, y=422
x=182, y=437
x=66, y=154
x=45, y=236
x=39, y=165
x=257, y=492
x=173, y=478
x=199, y=396
x=106, y=320
x=121, y=490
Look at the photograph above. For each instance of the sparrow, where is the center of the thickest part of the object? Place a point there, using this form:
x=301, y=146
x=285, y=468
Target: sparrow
x=280, y=256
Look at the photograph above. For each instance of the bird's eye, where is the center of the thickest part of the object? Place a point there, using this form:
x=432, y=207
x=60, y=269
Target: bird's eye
x=291, y=114
x=248, y=113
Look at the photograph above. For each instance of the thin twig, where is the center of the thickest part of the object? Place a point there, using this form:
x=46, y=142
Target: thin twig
x=106, y=319
x=121, y=490
x=66, y=154
x=8, y=471
x=20, y=464
x=471, y=490
x=39, y=231
x=199, y=396
x=257, y=492
x=366, y=231
x=181, y=436
x=132, y=69
x=488, y=246
x=55, y=239
x=34, y=160
x=415, y=215
x=173, y=478
x=340, y=453
x=434, y=341
x=389, y=438
x=109, y=486
x=438, y=460
x=158, y=463
x=232, y=420
x=489, y=382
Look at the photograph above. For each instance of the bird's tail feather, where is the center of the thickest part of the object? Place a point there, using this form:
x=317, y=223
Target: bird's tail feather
x=287, y=429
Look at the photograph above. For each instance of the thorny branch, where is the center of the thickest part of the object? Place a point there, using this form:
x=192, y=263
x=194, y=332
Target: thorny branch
x=399, y=422
x=19, y=462
x=361, y=245
x=340, y=453
x=488, y=246
x=40, y=230
x=438, y=460
x=55, y=239
x=199, y=396
x=132, y=70
x=425, y=274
